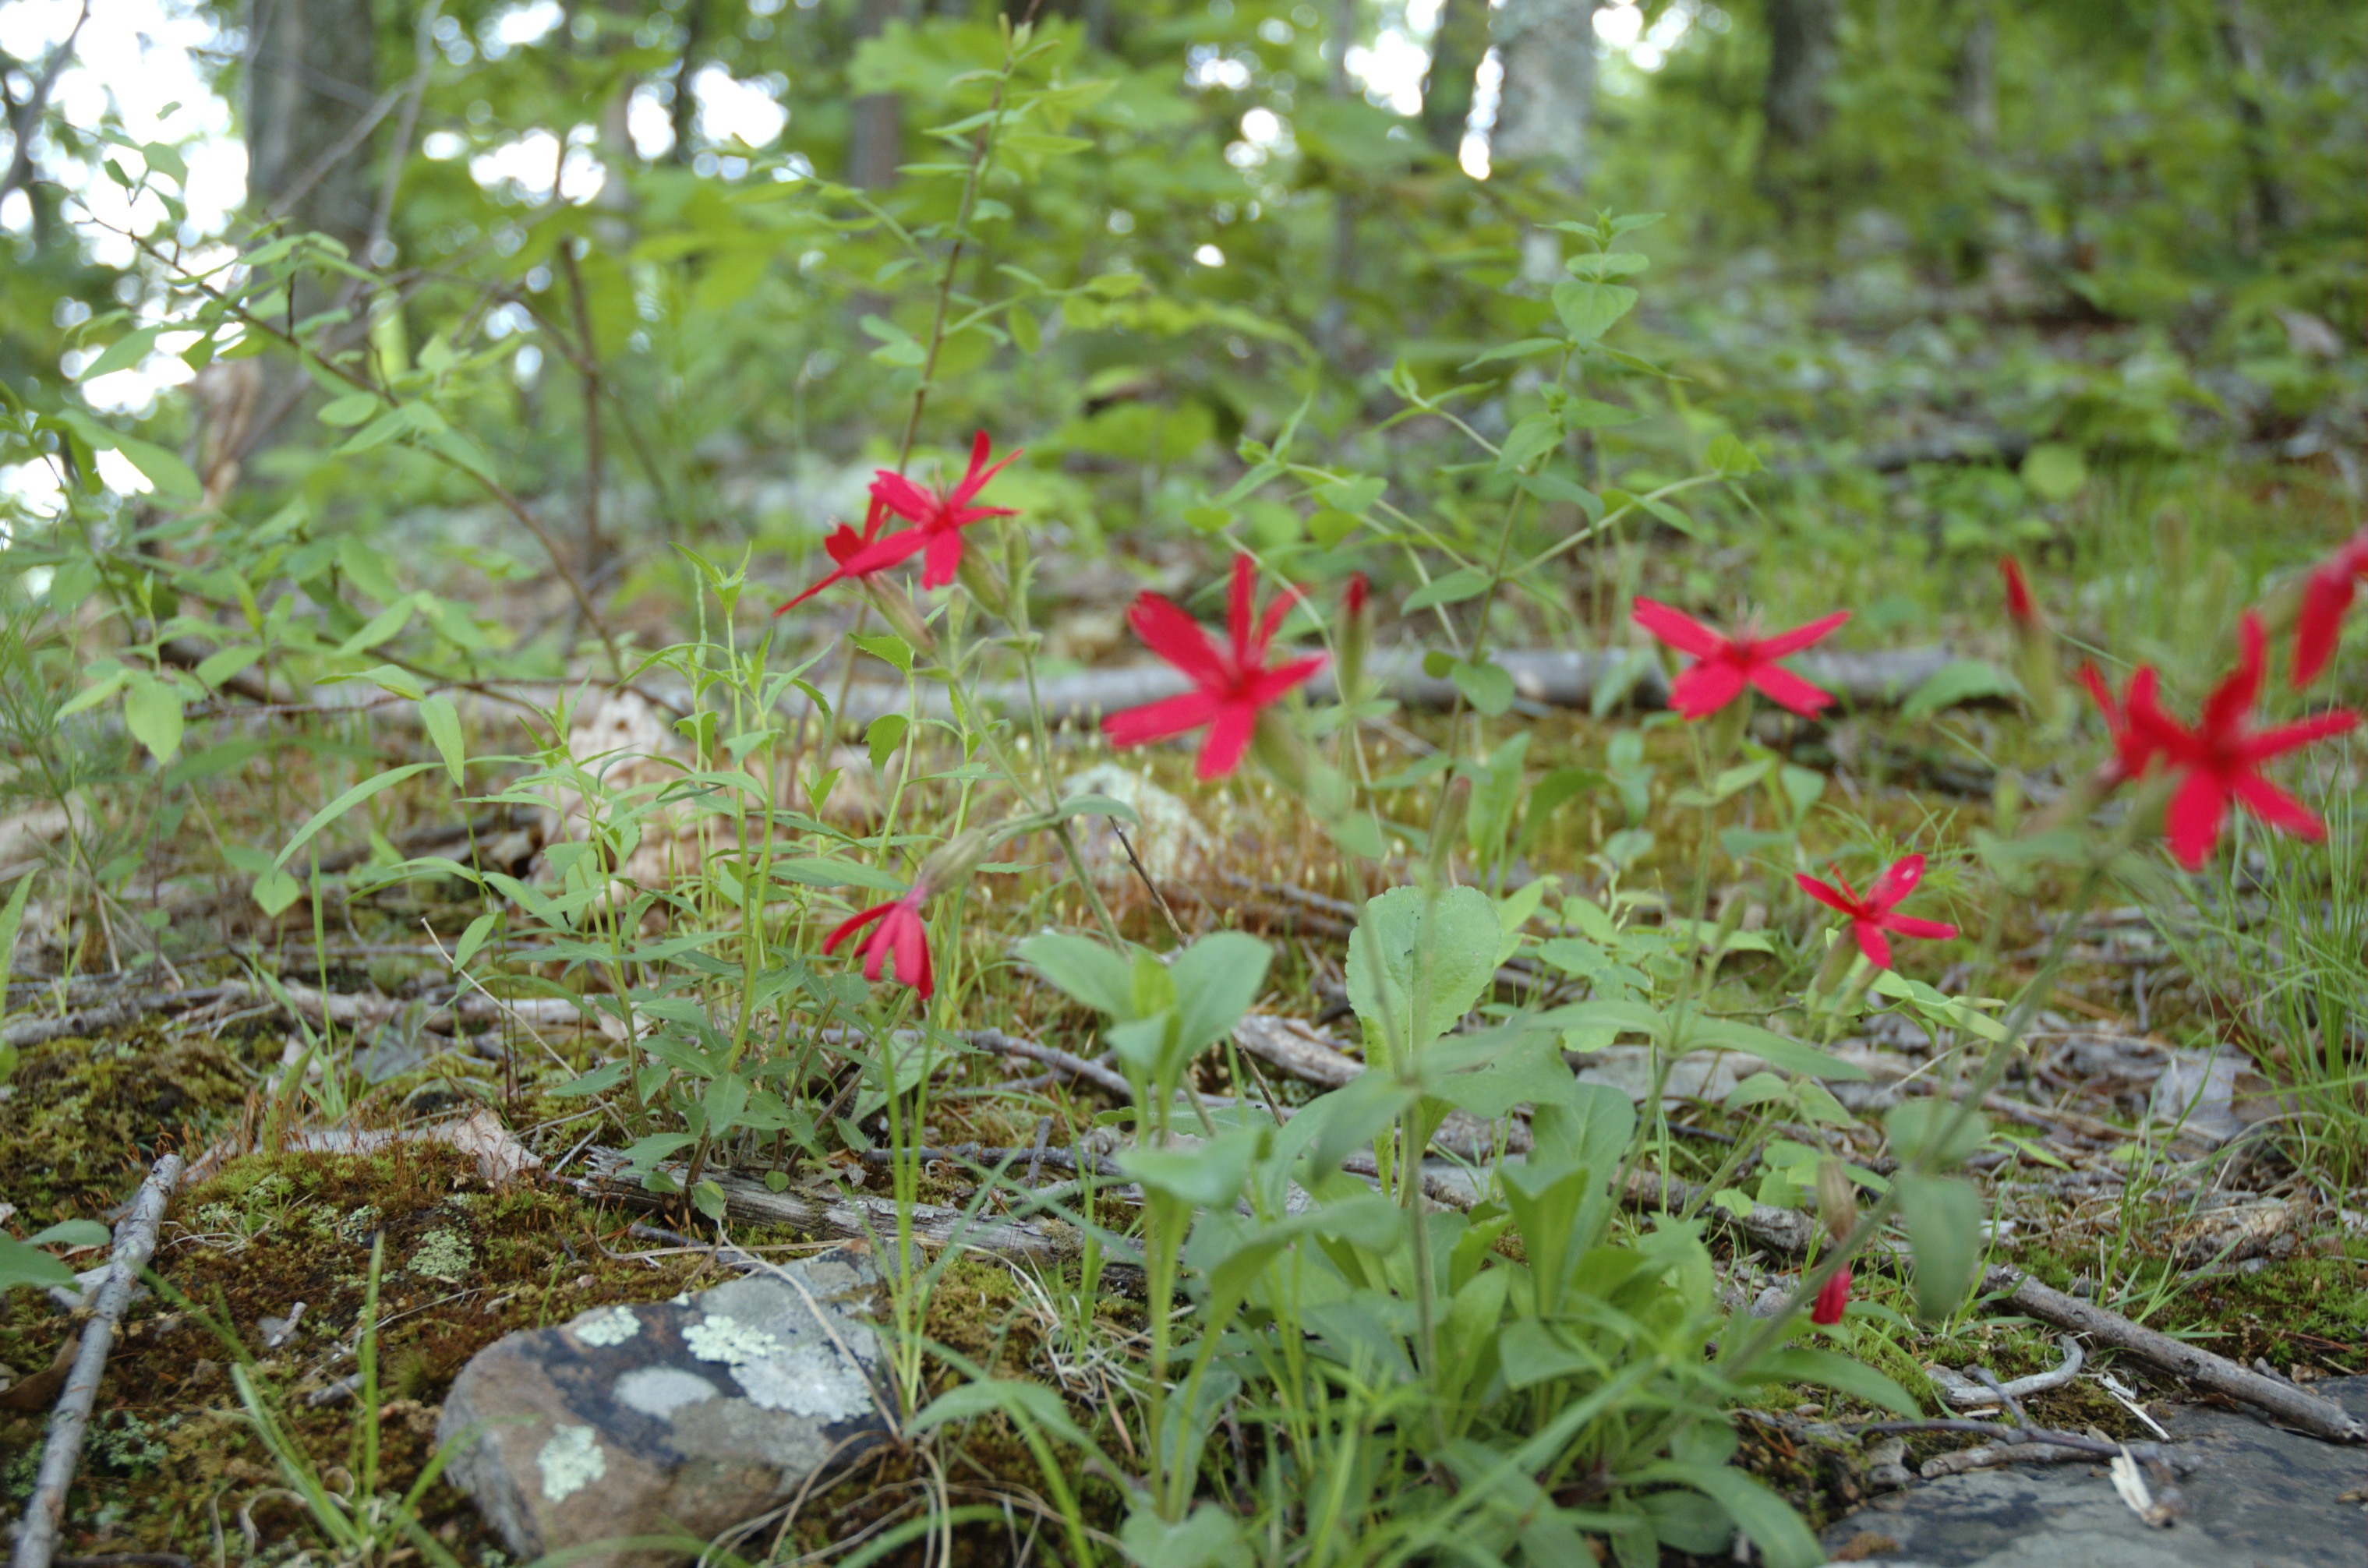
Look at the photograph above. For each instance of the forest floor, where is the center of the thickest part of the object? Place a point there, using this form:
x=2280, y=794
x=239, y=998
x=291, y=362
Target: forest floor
x=2207, y=1220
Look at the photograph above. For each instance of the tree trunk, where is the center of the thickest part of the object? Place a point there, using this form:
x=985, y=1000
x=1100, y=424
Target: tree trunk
x=312, y=77
x=875, y=140
x=1457, y=48
x=1977, y=75
x=1547, y=49
x=1802, y=43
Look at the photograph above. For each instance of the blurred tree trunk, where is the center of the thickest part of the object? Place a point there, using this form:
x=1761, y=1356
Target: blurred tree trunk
x=875, y=140
x=1801, y=40
x=312, y=78
x=312, y=103
x=1977, y=75
x=2243, y=50
x=1547, y=49
x=685, y=115
x=1457, y=48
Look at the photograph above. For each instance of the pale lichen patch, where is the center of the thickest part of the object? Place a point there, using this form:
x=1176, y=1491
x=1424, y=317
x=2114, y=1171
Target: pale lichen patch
x=718, y=1338
x=806, y=1379
x=570, y=1462
x=612, y=1328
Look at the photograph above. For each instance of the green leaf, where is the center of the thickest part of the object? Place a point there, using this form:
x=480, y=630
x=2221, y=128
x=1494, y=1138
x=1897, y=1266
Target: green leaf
x=2055, y=471
x=1467, y=582
x=473, y=937
x=1419, y=961
x=1216, y=978
x=1587, y=413
x=1944, y=1215
x=1211, y=1538
x=152, y=710
x=99, y=691
x=22, y=1264
x=122, y=354
x=1776, y=1050
x=1487, y=685
x=1783, y=1539
x=1840, y=1373
x=1588, y=310
x=174, y=479
x=1091, y=806
x=882, y=736
x=1959, y=681
x=10, y=919
x=274, y=890
x=1912, y=1125
x=1207, y=1177
x=887, y=645
x=347, y=801
x=826, y=872
x=442, y=723
x=350, y=410
x=1731, y=458
x=72, y=1234
x=1084, y=969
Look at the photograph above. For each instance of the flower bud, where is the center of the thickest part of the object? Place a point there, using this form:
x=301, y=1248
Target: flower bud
x=1836, y=1196
x=896, y=607
x=1280, y=751
x=2034, y=646
x=1453, y=809
x=1356, y=634
x=985, y=584
x=952, y=863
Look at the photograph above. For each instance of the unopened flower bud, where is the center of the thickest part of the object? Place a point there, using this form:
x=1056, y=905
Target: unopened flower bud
x=1836, y=1196
x=1455, y=808
x=2034, y=646
x=952, y=863
x=1356, y=634
x=896, y=607
x=985, y=584
x=1281, y=751
x=2018, y=606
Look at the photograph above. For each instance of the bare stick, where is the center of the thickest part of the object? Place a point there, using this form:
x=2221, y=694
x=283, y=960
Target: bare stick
x=2290, y=1405
x=135, y=1241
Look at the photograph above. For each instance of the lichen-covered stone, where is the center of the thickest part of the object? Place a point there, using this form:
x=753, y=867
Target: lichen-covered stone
x=683, y=1416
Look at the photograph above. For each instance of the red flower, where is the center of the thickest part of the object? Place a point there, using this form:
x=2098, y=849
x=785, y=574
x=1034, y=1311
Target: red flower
x=844, y=545
x=2018, y=607
x=2326, y=596
x=1832, y=1297
x=1725, y=666
x=937, y=519
x=1871, y=916
x=2221, y=758
x=2135, y=723
x=1231, y=683
x=900, y=936
x=1353, y=598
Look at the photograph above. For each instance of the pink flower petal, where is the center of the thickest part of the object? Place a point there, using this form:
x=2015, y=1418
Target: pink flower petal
x=1788, y=690
x=1676, y=628
x=1799, y=637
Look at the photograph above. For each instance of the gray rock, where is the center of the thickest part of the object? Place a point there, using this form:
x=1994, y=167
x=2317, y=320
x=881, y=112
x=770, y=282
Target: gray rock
x=2256, y=1497
x=681, y=1418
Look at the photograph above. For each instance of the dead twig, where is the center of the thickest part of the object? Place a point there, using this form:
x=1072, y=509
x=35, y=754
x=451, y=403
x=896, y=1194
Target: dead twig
x=109, y=1014
x=135, y=1242
x=1964, y=1392
x=2283, y=1401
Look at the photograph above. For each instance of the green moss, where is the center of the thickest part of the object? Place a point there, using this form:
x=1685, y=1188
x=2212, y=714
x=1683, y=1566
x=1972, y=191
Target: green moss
x=82, y=1117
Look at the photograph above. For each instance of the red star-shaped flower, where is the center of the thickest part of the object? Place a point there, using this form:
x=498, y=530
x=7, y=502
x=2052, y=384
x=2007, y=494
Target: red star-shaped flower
x=844, y=545
x=2326, y=597
x=899, y=935
x=937, y=519
x=2135, y=722
x=2220, y=760
x=1724, y=665
x=1871, y=916
x=1231, y=683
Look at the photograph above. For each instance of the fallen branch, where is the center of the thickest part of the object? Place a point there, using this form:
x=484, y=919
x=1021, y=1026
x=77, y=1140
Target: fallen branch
x=135, y=1242
x=1964, y=1392
x=847, y=1219
x=1779, y=1230
x=109, y=1014
x=2289, y=1404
